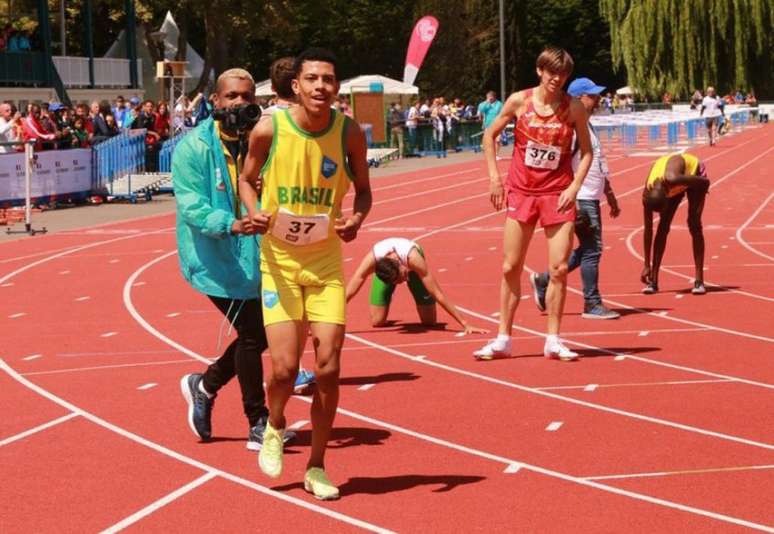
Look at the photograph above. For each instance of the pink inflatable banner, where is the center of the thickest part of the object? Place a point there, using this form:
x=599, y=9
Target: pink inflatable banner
x=421, y=38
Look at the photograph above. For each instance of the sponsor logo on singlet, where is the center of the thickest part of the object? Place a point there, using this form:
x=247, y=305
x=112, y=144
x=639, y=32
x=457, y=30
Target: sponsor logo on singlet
x=328, y=167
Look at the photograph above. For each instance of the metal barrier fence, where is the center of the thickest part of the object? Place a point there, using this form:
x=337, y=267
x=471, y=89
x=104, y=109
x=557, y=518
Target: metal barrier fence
x=165, y=154
x=116, y=157
x=425, y=139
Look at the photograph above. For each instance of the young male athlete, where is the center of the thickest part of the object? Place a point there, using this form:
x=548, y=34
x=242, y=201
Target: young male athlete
x=671, y=178
x=307, y=156
x=712, y=110
x=396, y=260
x=541, y=186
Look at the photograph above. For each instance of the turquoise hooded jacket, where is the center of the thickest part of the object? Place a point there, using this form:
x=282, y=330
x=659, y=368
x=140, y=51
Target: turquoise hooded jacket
x=214, y=261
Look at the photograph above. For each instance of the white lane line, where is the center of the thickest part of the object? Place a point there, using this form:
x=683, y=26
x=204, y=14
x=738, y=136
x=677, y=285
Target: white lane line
x=109, y=334
x=469, y=258
x=32, y=357
x=9, y=284
x=442, y=270
x=298, y=425
x=17, y=315
x=679, y=295
x=147, y=386
x=512, y=468
x=715, y=257
x=346, y=260
x=620, y=357
x=423, y=210
x=366, y=387
x=100, y=367
x=187, y=460
x=496, y=314
x=741, y=229
x=64, y=272
x=492, y=248
x=563, y=476
x=644, y=333
x=160, y=503
x=571, y=400
x=138, y=284
x=723, y=246
x=663, y=313
x=592, y=387
x=684, y=472
x=83, y=298
x=459, y=334
x=114, y=260
x=35, y=430
x=554, y=426
x=173, y=314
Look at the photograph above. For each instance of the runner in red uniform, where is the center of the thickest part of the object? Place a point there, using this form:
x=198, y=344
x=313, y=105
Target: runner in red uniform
x=541, y=186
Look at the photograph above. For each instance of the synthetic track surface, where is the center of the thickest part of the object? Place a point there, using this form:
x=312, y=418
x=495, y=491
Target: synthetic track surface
x=665, y=423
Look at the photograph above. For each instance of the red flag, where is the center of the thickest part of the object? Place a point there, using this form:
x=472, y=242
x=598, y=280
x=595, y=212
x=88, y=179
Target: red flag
x=421, y=38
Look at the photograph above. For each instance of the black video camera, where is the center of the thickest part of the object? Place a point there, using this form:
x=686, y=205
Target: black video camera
x=238, y=118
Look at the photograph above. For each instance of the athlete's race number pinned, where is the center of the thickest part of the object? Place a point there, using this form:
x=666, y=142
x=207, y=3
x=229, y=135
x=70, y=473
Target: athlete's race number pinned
x=541, y=156
x=300, y=229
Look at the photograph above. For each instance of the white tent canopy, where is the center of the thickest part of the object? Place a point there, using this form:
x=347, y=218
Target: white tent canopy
x=625, y=91
x=391, y=87
x=263, y=88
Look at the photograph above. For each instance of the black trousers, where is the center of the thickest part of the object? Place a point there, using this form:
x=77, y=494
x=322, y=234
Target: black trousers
x=243, y=356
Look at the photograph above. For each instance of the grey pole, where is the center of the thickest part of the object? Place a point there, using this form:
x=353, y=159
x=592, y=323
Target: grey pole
x=503, y=95
x=62, y=28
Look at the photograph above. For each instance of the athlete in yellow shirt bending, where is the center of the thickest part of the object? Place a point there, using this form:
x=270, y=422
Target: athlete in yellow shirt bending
x=306, y=157
x=671, y=178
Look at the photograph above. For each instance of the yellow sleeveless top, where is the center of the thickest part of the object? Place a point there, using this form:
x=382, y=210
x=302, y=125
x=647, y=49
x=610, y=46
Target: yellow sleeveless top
x=306, y=174
x=658, y=171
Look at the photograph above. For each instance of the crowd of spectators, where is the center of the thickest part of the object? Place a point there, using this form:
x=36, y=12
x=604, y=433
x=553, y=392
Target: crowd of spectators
x=13, y=40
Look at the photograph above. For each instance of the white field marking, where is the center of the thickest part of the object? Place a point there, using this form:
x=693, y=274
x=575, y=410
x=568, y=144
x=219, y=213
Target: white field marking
x=510, y=463
x=36, y=254
x=770, y=226
x=35, y=430
x=424, y=437
x=732, y=238
x=554, y=426
x=637, y=384
x=679, y=295
x=159, y=503
x=636, y=254
x=147, y=386
x=619, y=357
x=644, y=333
x=571, y=400
x=347, y=260
x=173, y=314
x=715, y=257
x=419, y=358
x=496, y=314
x=298, y=425
x=423, y=210
x=158, y=251
x=723, y=246
x=138, y=284
x=190, y=461
x=739, y=230
x=32, y=357
x=366, y=387
x=425, y=192
x=114, y=260
x=64, y=272
x=459, y=334
x=761, y=242
x=421, y=180
x=109, y=334
x=684, y=472
x=442, y=270
x=525, y=297
x=492, y=248
x=17, y=315
x=663, y=313
x=512, y=468
x=469, y=258
x=83, y=298
x=99, y=367
x=9, y=284
x=111, y=353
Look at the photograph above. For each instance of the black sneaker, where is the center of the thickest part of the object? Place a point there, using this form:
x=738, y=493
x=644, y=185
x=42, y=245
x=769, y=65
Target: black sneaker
x=255, y=436
x=698, y=288
x=199, y=406
x=538, y=291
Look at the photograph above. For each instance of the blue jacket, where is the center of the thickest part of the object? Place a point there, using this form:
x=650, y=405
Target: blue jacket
x=214, y=261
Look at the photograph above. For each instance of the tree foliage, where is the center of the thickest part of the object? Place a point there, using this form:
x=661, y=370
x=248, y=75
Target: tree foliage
x=681, y=45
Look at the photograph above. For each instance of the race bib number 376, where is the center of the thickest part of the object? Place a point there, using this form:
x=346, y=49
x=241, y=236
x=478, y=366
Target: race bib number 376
x=541, y=156
x=300, y=229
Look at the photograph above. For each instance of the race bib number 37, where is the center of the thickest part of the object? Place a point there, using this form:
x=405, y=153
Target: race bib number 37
x=541, y=156
x=300, y=229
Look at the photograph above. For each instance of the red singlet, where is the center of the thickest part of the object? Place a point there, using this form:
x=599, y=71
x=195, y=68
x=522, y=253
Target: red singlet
x=542, y=152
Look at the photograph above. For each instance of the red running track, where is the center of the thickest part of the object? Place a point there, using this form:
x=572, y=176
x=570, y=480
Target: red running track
x=665, y=423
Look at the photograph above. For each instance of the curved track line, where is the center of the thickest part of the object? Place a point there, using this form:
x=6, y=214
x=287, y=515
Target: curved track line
x=501, y=459
x=182, y=458
x=739, y=231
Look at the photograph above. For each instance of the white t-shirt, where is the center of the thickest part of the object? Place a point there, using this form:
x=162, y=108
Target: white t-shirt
x=401, y=246
x=411, y=120
x=593, y=187
x=7, y=135
x=711, y=105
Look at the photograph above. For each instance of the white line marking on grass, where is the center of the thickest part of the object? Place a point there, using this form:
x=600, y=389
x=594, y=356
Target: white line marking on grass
x=160, y=503
x=739, y=231
x=17, y=315
x=147, y=386
x=554, y=426
x=187, y=460
x=298, y=424
x=684, y=472
x=109, y=334
x=173, y=314
x=32, y=357
x=35, y=430
x=366, y=387
x=83, y=298
x=512, y=468
x=590, y=387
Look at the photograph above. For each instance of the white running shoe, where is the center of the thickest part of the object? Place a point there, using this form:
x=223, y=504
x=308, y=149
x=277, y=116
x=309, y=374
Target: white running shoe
x=557, y=350
x=494, y=349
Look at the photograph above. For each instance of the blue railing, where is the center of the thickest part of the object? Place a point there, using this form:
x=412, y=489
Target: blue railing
x=118, y=156
x=165, y=154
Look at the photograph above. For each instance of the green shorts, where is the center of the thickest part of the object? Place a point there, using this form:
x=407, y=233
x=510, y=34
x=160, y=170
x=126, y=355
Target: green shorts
x=381, y=293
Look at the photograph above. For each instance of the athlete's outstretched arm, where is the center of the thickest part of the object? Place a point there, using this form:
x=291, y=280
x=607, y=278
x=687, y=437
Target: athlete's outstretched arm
x=507, y=114
x=249, y=183
x=418, y=264
x=356, y=150
x=364, y=270
x=579, y=117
